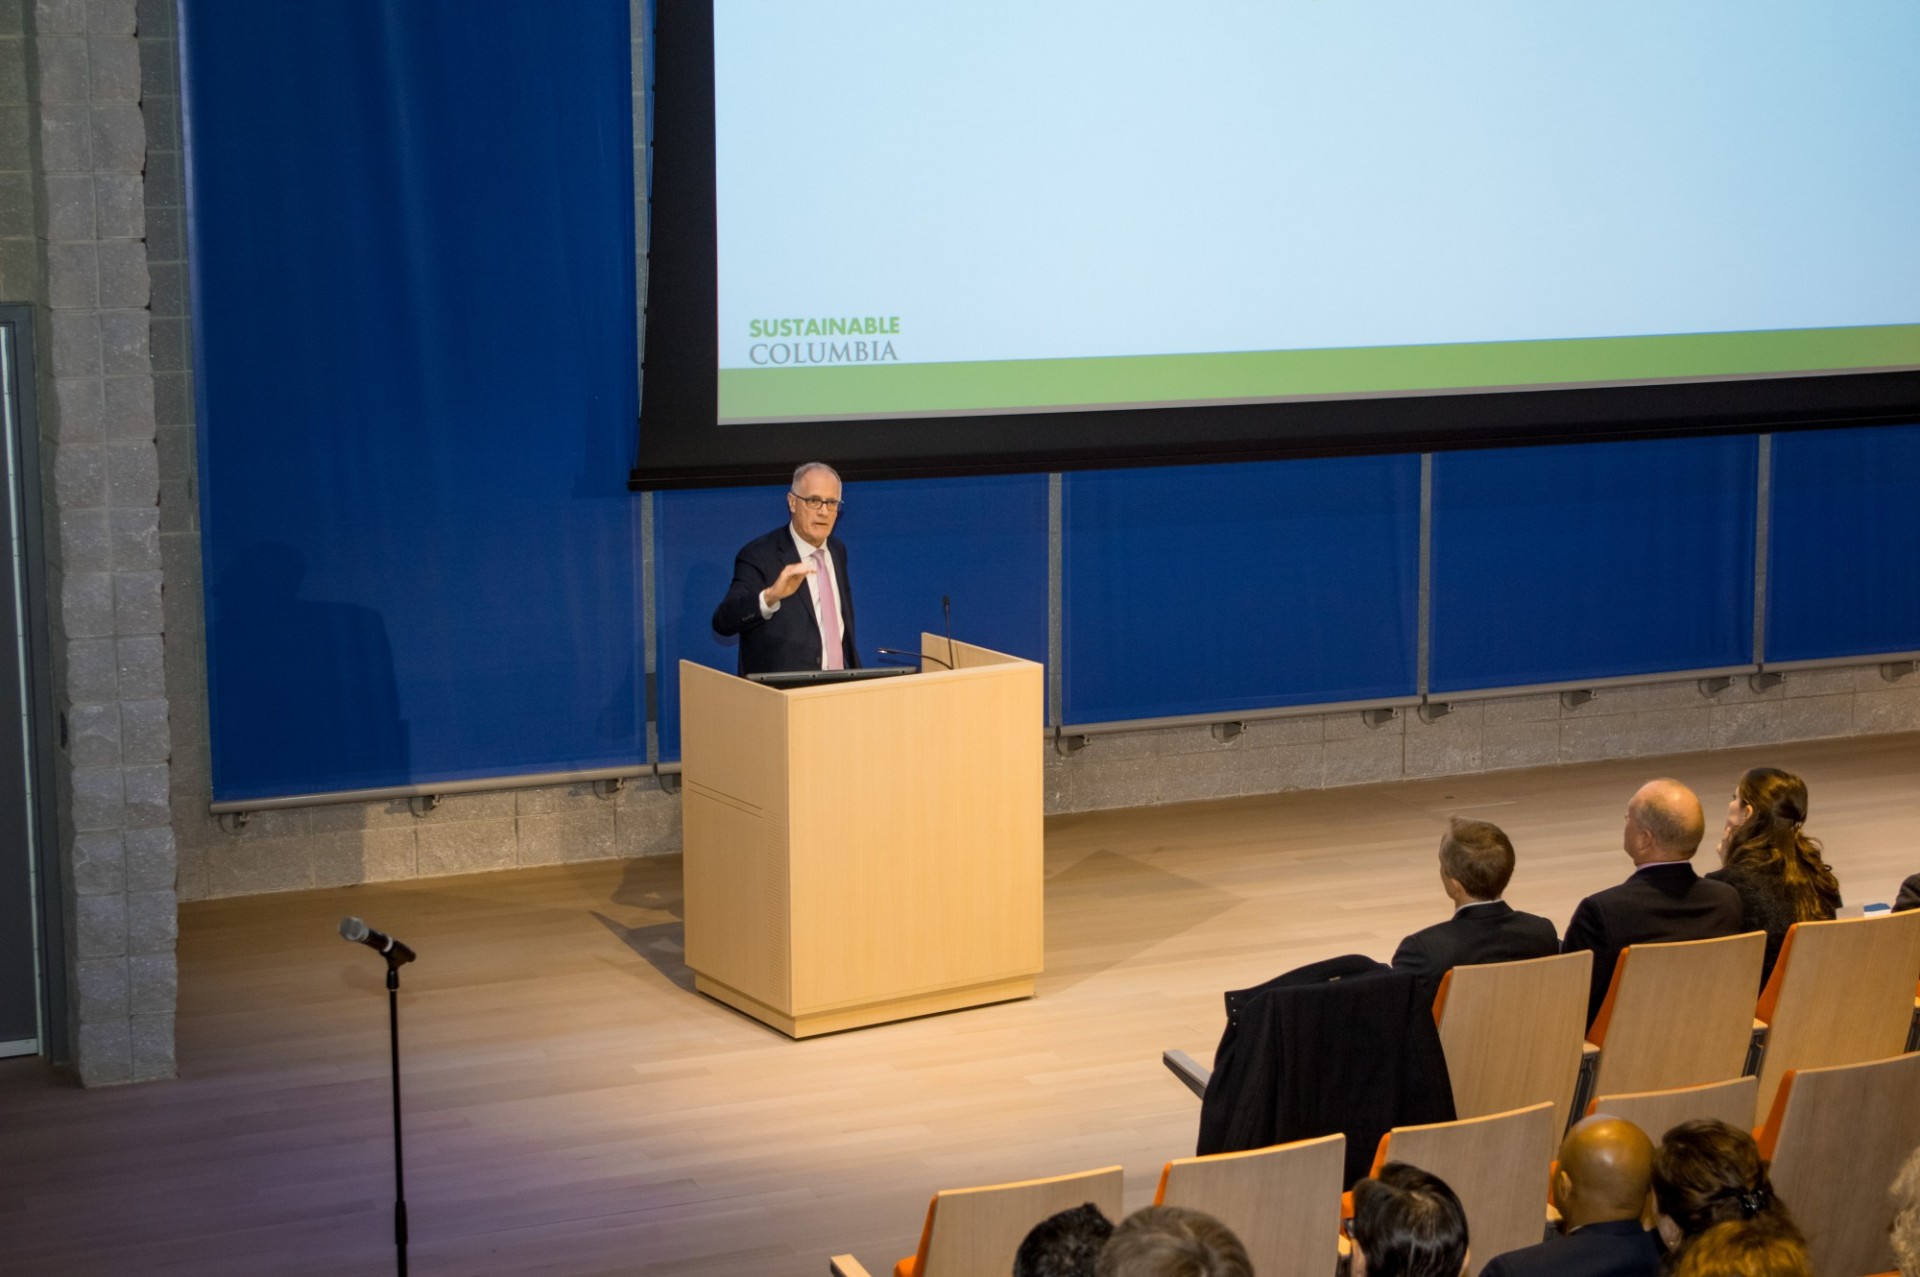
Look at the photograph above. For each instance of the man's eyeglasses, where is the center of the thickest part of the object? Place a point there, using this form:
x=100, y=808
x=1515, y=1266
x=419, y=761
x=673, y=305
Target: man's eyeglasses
x=832, y=505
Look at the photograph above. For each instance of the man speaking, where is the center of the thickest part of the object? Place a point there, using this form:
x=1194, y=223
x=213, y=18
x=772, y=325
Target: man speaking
x=790, y=602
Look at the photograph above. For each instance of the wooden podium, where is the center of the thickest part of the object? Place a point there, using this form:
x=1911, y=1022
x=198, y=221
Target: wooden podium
x=866, y=851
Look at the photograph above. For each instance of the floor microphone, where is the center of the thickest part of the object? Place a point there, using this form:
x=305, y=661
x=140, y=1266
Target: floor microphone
x=389, y=948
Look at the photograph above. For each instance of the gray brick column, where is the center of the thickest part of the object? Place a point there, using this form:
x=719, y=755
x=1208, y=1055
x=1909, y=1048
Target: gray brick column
x=82, y=62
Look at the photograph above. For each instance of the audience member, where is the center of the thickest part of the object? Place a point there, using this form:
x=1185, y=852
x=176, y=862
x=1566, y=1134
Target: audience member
x=1663, y=899
x=1600, y=1189
x=1168, y=1241
x=1906, y=1217
x=1407, y=1223
x=1063, y=1245
x=1476, y=863
x=1767, y=857
x=1909, y=897
x=1707, y=1173
x=1759, y=1247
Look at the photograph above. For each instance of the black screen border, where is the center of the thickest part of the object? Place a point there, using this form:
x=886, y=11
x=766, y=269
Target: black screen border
x=682, y=445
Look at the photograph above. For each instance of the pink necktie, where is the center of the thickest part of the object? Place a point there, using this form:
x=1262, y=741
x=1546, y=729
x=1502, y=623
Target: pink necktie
x=832, y=650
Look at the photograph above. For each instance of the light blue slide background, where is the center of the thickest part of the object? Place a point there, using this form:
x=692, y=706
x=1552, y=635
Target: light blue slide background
x=1025, y=179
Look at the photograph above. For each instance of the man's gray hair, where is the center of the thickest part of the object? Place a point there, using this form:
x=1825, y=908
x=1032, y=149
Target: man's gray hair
x=1675, y=830
x=808, y=467
x=1906, y=1219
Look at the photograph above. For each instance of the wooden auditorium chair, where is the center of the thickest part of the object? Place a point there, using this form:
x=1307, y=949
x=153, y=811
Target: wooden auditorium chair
x=1836, y=1137
x=1841, y=993
x=1657, y=1112
x=1499, y=1166
x=1705, y=985
x=1283, y=1202
x=1513, y=1033
x=974, y=1232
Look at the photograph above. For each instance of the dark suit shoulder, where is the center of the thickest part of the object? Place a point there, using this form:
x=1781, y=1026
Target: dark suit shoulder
x=778, y=543
x=1621, y=1249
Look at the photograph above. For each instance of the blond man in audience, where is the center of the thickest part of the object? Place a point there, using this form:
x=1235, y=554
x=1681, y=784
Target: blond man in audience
x=1476, y=864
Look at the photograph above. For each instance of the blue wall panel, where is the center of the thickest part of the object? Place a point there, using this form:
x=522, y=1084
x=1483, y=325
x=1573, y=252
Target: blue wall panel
x=412, y=237
x=980, y=541
x=1843, y=561
x=1209, y=588
x=1555, y=564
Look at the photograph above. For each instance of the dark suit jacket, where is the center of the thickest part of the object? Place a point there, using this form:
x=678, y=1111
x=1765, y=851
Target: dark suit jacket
x=1622, y=1249
x=790, y=638
x=1491, y=932
x=1660, y=902
x=1342, y=1045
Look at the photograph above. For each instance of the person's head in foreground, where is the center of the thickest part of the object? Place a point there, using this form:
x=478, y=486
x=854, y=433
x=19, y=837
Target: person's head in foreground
x=1605, y=1169
x=1708, y=1173
x=1763, y=1246
x=1407, y=1223
x=1169, y=1241
x=1906, y=1217
x=1064, y=1245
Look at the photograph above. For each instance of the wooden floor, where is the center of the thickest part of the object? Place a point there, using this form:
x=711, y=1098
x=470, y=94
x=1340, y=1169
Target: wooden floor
x=572, y=1107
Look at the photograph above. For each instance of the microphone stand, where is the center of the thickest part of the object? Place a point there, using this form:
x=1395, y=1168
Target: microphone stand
x=399, y=1167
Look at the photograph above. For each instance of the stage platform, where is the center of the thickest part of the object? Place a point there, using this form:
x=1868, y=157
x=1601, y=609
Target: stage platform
x=574, y=1107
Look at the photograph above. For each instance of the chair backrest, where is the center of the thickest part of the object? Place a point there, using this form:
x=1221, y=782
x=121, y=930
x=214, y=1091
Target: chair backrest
x=1657, y=1112
x=974, y=1232
x=1706, y=985
x=1836, y=1137
x=1513, y=1032
x=1841, y=993
x=1283, y=1203
x=1499, y=1167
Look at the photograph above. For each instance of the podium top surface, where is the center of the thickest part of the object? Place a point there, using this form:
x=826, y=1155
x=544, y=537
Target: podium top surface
x=821, y=678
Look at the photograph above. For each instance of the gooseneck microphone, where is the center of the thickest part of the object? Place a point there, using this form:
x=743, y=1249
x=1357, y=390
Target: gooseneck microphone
x=946, y=612
x=389, y=948
x=916, y=656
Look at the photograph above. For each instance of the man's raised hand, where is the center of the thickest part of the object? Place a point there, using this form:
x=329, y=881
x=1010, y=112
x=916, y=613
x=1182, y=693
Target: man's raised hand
x=788, y=581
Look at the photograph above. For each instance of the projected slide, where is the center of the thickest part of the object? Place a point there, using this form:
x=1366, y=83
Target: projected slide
x=947, y=207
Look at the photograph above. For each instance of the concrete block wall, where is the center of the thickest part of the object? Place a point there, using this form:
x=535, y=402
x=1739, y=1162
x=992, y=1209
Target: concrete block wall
x=72, y=242
x=1323, y=751
x=337, y=845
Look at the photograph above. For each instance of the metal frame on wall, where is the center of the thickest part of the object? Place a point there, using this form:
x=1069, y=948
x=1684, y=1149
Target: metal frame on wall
x=28, y=611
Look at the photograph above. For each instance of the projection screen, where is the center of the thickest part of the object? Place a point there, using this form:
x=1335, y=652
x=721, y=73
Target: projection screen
x=948, y=237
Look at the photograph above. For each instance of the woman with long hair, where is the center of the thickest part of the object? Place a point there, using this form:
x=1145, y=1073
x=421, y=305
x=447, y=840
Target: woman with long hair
x=1706, y=1173
x=1766, y=856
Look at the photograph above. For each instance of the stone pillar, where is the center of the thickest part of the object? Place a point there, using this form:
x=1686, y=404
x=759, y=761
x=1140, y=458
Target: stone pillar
x=96, y=385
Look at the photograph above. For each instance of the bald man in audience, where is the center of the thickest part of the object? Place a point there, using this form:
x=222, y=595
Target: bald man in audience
x=1600, y=1189
x=1663, y=899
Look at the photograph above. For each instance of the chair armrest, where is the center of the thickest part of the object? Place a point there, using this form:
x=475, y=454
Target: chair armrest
x=1756, y=1049
x=1584, y=1083
x=1188, y=1070
x=846, y=1266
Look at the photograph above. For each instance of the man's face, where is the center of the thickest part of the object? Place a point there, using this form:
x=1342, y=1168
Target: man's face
x=814, y=521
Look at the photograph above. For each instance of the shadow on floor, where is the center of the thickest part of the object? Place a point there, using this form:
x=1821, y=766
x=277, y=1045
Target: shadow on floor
x=1107, y=909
